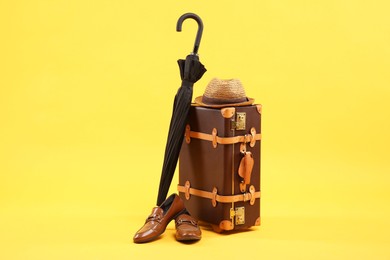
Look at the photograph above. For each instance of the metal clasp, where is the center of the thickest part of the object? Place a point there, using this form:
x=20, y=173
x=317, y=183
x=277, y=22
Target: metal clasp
x=240, y=215
x=240, y=122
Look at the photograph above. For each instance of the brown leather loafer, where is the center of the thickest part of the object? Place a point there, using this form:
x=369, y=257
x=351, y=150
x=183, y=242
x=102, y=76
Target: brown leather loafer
x=158, y=220
x=187, y=228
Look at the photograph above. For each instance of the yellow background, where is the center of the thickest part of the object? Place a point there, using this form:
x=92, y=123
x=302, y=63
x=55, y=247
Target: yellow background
x=86, y=92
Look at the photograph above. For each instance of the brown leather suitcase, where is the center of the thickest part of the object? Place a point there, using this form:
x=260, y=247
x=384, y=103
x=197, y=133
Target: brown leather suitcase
x=219, y=166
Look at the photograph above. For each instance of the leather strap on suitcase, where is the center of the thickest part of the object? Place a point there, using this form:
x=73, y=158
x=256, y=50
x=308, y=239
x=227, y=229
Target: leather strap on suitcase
x=250, y=196
x=215, y=139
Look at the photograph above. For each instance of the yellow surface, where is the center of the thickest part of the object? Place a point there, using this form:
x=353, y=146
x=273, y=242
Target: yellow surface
x=86, y=91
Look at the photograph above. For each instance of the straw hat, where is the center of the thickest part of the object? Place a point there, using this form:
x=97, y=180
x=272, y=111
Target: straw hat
x=224, y=93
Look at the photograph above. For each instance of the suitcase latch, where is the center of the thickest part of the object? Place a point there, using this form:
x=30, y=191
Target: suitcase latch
x=240, y=122
x=238, y=214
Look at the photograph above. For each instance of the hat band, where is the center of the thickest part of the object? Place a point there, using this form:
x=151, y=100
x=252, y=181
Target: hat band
x=220, y=101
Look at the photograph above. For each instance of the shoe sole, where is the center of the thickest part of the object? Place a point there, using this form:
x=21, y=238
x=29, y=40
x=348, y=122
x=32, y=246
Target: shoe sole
x=189, y=238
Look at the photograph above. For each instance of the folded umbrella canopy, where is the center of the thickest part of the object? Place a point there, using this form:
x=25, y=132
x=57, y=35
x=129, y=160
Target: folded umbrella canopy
x=191, y=70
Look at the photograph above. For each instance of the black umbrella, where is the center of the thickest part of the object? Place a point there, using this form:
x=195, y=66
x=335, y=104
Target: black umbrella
x=191, y=70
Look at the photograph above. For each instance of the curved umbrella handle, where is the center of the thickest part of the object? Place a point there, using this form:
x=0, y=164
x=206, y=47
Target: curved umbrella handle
x=200, y=28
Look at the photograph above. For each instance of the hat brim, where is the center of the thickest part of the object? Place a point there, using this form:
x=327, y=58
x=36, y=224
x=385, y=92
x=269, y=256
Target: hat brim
x=198, y=102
